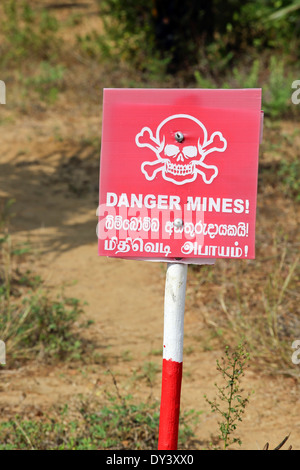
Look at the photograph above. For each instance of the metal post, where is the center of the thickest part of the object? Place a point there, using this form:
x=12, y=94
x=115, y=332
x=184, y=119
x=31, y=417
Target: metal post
x=172, y=355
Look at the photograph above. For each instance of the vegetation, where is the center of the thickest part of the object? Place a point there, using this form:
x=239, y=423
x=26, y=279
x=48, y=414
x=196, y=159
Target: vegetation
x=112, y=426
x=33, y=325
x=183, y=34
x=26, y=33
x=115, y=422
x=231, y=44
x=230, y=404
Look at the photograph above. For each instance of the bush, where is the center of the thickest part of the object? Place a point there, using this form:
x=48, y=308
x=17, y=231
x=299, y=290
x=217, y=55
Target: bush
x=188, y=33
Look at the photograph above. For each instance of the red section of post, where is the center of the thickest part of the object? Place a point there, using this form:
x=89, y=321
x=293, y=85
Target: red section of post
x=170, y=405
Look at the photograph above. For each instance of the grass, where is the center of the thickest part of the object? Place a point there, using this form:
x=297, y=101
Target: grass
x=114, y=426
x=121, y=423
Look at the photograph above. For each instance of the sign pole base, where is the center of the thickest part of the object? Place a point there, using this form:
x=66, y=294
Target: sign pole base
x=172, y=355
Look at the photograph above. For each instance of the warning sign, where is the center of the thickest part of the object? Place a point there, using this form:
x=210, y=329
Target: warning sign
x=178, y=173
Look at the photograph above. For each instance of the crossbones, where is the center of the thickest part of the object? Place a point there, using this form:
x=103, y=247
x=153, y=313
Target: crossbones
x=180, y=160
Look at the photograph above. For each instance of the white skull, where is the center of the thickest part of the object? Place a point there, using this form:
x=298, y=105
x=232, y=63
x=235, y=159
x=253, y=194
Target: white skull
x=180, y=157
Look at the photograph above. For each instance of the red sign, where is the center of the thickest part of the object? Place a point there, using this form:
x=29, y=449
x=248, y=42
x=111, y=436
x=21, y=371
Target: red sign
x=178, y=173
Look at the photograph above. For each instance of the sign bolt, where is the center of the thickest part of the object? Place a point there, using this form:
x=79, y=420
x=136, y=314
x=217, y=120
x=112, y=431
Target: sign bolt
x=179, y=137
x=178, y=223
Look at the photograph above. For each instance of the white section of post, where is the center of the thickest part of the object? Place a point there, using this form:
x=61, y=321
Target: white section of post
x=175, y=290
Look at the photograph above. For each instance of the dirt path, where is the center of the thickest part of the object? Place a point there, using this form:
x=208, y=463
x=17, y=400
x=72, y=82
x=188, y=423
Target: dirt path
x=53, y=182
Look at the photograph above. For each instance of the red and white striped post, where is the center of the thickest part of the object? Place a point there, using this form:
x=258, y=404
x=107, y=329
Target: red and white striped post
x=175, y=290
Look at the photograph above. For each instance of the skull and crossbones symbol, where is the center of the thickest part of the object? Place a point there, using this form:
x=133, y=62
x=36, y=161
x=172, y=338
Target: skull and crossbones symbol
x=181, y=144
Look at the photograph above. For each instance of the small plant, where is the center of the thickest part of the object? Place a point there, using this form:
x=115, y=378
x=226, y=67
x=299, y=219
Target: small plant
x=230, y=404
x=48, y=83
x=289, y=173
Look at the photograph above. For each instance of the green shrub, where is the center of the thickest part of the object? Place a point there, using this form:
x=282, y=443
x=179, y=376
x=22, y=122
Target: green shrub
x=47, y=83
x=289, y=174
x=214, y=34
x=277, y=89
